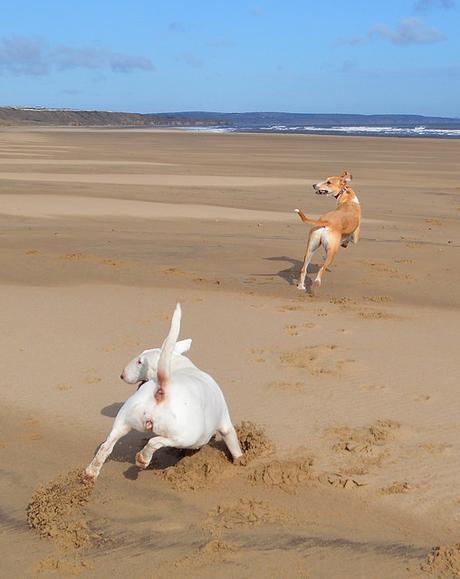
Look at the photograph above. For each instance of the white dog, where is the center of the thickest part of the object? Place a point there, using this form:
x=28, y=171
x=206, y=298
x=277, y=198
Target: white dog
x=181, y=404
x=145, y=366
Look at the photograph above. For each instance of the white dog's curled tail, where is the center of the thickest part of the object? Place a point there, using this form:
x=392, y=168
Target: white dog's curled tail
x=164, y=363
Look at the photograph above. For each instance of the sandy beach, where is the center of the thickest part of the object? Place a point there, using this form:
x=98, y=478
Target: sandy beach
x=349, y=399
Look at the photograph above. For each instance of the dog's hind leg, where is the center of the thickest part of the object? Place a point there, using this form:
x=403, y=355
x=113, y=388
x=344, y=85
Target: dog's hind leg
x=331, y=244
x=228, y=433
x=314, y=241
x=118, y=430
x=345, y=241
x=144, y=456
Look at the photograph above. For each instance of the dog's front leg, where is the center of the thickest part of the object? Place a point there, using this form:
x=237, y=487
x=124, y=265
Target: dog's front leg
x=144, y=456
x=118, y=430
x=356, y=234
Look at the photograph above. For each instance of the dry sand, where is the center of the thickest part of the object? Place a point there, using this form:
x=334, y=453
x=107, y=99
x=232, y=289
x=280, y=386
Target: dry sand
x=353, y=470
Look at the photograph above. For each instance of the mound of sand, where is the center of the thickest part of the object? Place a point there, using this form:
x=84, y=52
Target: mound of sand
x=317, y=360
x=284, y=474
x=211, y=463
x=443, y=561
x=363, y=439
x=202, y=468
x=397, y=488
x=253, y=441
x=337, y=480
x=363, y=447
x=56, y=510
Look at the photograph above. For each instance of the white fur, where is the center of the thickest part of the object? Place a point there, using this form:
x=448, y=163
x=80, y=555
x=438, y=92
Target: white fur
x=189, y=413
x=144, y=366
x=318, y=236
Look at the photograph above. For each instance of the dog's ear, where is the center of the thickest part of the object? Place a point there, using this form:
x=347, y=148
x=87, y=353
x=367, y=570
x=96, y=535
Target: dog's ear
x=183, y=346
x=346, y=176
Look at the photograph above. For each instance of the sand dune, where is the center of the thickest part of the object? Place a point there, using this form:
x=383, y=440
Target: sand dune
x=347, y=402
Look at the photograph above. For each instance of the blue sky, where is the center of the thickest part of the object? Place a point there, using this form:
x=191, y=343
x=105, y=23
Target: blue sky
x=355, y=56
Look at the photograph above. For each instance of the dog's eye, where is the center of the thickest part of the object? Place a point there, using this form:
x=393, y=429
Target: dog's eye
x=328, y=182
x=139, y=362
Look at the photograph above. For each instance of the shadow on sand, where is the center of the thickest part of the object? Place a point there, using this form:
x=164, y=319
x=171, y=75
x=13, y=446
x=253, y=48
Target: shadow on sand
x=291, y=274
x=126, y=448
x=112, y=409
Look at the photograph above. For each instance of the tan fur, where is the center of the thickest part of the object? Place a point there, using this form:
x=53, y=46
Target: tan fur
x=334, y=228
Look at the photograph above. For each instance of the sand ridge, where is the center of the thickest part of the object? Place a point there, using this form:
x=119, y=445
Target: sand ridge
x=55, y=206
x=154, y=179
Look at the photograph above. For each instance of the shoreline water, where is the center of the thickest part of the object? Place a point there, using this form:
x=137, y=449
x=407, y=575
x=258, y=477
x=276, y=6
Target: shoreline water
x=387, y=132
x=352, y=131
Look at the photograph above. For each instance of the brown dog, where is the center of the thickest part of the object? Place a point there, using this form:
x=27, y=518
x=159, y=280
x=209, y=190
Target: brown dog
x=332, y=229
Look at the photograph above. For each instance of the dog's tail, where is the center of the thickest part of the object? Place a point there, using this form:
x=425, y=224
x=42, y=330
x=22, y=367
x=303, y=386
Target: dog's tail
x=305, y=219
x=164, y=363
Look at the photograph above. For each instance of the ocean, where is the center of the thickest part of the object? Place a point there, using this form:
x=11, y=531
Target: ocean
x=358, y=130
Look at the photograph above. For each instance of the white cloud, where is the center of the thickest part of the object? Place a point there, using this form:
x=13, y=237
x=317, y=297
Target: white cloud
x=23, y=56
x=35, y=57
x=409, y=31
x=422, y=5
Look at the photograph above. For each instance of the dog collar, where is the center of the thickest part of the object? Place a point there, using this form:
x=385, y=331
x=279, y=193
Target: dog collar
x=341, y=192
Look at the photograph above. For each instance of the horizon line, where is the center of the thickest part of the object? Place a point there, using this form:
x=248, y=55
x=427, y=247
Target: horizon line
x=197, y=111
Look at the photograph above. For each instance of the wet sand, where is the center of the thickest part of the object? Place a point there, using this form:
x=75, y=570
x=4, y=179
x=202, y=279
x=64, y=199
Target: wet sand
x=356, y=388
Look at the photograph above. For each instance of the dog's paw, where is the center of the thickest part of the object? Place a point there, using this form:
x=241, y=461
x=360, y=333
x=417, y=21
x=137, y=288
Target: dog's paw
x=301, y=286
x=140, y=462
x=90, y=475
x=315, y=287
x=296, y=210
x=240, y=461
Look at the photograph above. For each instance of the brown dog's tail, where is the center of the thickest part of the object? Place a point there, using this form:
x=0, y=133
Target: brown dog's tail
x=310, y=220
x=164, y=363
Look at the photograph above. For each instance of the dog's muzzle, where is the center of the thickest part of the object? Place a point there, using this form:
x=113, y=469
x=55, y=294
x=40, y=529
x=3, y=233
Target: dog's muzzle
x=320, y=191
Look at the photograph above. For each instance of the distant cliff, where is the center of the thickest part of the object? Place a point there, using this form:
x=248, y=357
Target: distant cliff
x=264, y=119
x=12, y=116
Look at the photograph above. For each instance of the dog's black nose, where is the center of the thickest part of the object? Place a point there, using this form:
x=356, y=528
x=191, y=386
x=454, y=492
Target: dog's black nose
x=121, y=375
